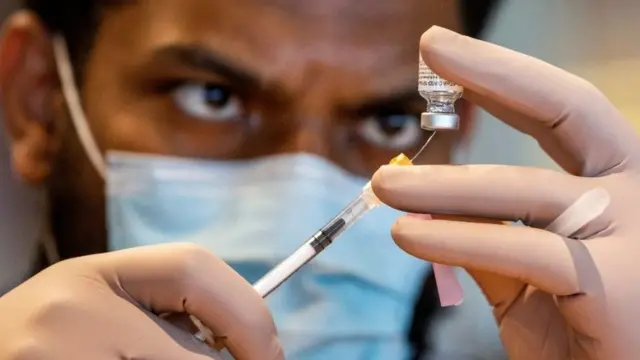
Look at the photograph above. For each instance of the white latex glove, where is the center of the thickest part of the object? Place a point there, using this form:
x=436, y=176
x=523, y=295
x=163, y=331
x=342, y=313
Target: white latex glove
x=565, y=286
x=106, y=307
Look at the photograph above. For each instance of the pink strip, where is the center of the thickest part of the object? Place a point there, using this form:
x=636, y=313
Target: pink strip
x=449, y=289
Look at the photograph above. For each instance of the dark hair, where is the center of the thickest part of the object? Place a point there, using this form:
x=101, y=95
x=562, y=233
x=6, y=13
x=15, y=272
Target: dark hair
x=476, y=14
x=77, y=20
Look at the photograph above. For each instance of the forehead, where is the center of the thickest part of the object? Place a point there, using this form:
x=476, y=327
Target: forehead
x=357, y=39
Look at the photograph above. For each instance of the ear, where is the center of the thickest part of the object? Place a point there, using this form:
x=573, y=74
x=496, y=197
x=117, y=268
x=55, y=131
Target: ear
x=28, y=85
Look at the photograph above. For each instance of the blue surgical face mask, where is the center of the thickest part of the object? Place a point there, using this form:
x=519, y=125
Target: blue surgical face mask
x=354, y=301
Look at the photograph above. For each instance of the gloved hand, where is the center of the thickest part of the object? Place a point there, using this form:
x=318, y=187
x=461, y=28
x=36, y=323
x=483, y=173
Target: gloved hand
x=566, y=285
x=106, y=307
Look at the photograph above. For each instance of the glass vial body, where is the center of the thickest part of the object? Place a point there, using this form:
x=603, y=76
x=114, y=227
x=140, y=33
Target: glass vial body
x=441, y=96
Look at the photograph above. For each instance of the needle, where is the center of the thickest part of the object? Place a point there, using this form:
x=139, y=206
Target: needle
x=423, y=146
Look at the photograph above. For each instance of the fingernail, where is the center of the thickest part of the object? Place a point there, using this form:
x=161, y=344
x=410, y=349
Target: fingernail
x=438, y=42
x=420, y=216
x=436, y=30
x=391, y=170
x=387, y=168
x=388, y=175
x=437, y=35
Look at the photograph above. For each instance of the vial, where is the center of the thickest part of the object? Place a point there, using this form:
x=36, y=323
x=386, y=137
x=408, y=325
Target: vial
x=441, y=96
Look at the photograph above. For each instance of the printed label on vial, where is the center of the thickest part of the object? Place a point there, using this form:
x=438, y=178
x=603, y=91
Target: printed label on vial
x=428, y=81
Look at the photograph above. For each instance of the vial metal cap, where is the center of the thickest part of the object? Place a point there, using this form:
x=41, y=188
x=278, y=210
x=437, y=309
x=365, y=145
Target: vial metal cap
x=439, y=121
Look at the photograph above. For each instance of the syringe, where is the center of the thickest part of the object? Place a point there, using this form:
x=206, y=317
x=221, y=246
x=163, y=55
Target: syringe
x=440, y=95
x=362, y=204
x=440, y=116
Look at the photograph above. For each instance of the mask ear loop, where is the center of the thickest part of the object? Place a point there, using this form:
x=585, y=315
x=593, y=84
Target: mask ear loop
x=74, y=104
x=49, y=245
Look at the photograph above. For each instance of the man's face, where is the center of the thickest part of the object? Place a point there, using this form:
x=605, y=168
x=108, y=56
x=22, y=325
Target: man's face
x=241, y=79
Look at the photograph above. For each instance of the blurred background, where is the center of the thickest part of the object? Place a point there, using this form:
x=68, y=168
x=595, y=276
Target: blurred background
x=596, y=40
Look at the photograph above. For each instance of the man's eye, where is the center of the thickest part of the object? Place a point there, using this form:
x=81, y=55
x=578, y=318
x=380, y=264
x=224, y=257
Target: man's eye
x=208, y=102
x=396, y=132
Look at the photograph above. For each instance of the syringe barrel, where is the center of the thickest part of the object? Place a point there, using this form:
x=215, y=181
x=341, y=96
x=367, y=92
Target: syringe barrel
x=362, y=204
x=345, y=219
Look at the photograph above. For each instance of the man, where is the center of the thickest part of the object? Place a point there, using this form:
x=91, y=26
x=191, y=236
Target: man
x=559, y=287
x=251, y=83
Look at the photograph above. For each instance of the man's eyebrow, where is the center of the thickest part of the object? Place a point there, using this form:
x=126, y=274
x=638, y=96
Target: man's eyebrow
x=394, y=101
x=203, y=59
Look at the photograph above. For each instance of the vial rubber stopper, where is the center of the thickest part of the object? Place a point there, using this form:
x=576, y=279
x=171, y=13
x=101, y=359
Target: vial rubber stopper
x=439, y=121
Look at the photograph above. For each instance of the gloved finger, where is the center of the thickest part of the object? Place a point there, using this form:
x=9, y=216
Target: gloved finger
x=145, y=336
x=186, y=278
x=535, y=196
x=570, y=118
x=498, y=289
x=83, y=320
x=158, y=339
x=534, y=256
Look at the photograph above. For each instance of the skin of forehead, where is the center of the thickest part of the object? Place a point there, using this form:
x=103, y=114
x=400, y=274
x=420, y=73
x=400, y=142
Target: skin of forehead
x=282, y=36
